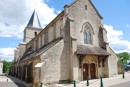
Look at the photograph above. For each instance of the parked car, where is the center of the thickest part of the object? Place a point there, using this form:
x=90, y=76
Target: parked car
x=127, y=68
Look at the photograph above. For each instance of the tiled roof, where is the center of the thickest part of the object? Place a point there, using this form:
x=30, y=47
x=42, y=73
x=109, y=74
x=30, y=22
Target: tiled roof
x=91, y=50
x=40, y=51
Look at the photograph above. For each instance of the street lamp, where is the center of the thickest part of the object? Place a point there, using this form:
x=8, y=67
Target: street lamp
x=123, y=76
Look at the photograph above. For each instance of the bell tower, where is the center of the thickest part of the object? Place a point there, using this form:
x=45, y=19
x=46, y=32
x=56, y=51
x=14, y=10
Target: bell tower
x=33, y=27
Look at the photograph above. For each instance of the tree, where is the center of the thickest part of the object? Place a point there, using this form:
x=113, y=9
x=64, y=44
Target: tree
x=123, y=57
x=6, y=66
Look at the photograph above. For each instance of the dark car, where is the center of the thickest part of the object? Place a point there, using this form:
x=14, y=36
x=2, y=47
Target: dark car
x=127, y=68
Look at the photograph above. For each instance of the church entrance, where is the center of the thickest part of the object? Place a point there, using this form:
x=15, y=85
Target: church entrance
x=93, y=71
x=85, y=71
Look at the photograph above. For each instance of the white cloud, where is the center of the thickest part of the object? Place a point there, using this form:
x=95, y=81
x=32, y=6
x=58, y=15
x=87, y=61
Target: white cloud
x=127, y=25
x=7, y=53
x=58, y=12
x=11, y=31
x=113, y=35
x=115, y=40
x=15, y=14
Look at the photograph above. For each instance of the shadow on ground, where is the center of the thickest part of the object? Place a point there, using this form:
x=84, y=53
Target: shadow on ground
x=15, y=82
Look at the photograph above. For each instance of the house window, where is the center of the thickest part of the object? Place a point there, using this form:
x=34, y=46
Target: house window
x=87, y=35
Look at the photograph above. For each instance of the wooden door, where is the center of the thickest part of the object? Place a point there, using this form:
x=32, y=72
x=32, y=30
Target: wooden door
x=85, y=71
x=93, y=71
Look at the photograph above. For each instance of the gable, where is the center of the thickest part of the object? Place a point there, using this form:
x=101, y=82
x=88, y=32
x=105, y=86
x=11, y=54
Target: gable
x=91, y=5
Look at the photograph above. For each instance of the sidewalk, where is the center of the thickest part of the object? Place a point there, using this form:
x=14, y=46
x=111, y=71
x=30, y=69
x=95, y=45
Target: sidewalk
x=107, y=82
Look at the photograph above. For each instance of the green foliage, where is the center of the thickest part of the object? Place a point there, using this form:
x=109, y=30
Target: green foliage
x=6, y=66
x=123, y=57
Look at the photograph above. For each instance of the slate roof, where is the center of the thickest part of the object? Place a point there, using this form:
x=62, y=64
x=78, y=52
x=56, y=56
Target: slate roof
x=91, y=50
x=43, y=49
x=34, y=21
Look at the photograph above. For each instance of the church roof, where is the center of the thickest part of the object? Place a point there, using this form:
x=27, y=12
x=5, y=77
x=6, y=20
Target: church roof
x=29, y=55
x=91, y=50
x=34, y=21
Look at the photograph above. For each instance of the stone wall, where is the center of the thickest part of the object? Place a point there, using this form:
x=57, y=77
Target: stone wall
x=78, y=16
x=85, y=15
x=120, y=68
x=55, y=66
x=112, y=63
x=29, y=33
x=22, y=47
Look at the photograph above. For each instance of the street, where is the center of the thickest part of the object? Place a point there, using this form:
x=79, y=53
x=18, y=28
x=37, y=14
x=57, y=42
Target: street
x=8, y=81
x=11, y=84
x=125, y=84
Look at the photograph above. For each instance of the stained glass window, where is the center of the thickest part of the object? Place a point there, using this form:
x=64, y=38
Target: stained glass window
x=87, y=35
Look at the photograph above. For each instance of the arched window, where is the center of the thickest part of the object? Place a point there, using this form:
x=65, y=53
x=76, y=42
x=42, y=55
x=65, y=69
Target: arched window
x=87, y=35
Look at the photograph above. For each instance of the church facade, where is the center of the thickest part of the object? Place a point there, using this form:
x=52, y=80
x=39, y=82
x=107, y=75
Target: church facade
x=73, y=46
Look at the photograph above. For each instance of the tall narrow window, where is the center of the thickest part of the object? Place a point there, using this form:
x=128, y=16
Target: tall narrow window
x=89, y=38
x=85, y=37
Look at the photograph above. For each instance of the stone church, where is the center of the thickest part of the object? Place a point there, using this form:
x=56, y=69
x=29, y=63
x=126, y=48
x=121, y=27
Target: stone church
x=73, y=46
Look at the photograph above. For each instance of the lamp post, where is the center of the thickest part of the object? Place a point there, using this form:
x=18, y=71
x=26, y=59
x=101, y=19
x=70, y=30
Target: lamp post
x=74, y=83
x=101, y=82
x=87, y=81
x=123, y=74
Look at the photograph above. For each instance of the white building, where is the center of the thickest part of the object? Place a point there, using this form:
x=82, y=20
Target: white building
x=1, y=67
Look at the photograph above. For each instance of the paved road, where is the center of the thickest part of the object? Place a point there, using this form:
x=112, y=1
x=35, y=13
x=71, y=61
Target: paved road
x=126, y=84
x=11, y=84
x=8, y=81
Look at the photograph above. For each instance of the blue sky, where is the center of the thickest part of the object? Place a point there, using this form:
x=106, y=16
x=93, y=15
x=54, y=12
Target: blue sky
x=115, y=13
